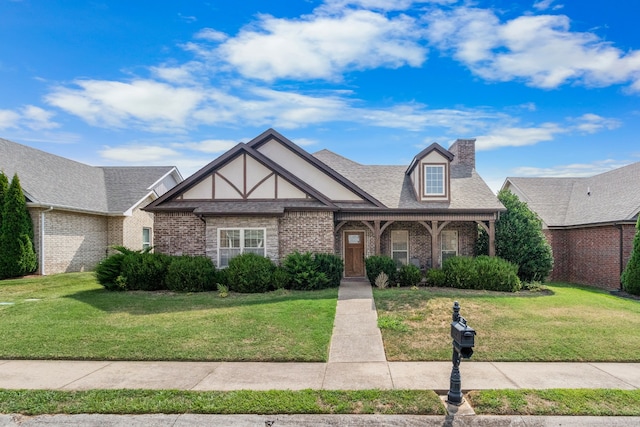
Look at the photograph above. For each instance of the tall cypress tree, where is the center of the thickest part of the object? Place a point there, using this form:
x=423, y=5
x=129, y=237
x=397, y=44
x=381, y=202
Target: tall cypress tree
x=16, y=234
x=4, y=186
x=631, y=276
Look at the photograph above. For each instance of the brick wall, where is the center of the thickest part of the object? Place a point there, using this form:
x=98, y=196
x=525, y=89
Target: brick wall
x=178, y=233
x=590, y=255
x=306, y=232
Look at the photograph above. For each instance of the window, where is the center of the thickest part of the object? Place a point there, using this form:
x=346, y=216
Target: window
x=449, y=246
x=434, y=180
x=235, y=241
x=400, y=246
x=146, y=238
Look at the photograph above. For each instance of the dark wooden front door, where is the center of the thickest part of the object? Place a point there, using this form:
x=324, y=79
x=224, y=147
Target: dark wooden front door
x=354, y=254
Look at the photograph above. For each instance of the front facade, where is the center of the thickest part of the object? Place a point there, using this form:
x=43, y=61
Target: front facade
x=271, y=197
x=79, y=211
x=589, y=222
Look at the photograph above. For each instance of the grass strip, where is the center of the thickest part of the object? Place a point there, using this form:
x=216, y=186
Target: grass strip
x=568, y=402
x=38, y=402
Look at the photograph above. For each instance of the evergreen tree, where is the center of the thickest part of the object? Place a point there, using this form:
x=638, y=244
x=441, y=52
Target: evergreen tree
x=4, y=186
x=519, y=239
x=631, y=276
x=18, y=255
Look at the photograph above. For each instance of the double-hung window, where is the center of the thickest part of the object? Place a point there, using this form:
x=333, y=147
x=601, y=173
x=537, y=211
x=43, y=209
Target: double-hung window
x=235, y=241
x=146, y=238
x=449, y=246
x=400, y=246
x=434, y=180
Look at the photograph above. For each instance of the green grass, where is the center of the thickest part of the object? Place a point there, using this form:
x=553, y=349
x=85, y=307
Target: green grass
x=36, y=402
x=574, y=324
x=70, y=316
x=585, y=402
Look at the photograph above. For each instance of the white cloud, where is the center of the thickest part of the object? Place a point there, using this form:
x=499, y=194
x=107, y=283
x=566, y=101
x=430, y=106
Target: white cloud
x=323, y=46
x=570, y=170
x=139, y=154
x=208, y=146
x=518, y=136
x=592, y=123
x=305, y=142
x=539, y=49
x=546, y=4
x=8, y=119
x=211, y=35
x=153, y=105
x=28, y=117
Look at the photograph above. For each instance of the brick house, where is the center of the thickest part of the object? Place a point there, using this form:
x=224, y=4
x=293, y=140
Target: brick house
x=589, y=222
x=79, y=211
x=271, y=197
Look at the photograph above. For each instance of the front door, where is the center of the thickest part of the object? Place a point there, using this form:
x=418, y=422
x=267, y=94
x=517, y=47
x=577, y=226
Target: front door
x=354, y=254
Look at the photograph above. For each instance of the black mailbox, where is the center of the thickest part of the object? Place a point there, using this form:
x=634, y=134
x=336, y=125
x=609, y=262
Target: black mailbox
x=463, y=337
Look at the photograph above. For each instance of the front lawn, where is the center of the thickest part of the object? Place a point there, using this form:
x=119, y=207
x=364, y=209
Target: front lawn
x=573, y=324
x=70, y=316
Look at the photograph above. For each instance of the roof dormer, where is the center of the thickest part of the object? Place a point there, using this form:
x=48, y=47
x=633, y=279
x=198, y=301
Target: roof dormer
x=430, y=173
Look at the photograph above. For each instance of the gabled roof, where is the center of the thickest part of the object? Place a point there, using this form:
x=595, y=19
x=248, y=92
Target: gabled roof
x=392, y=185
x=433, y=147
x=168, y=201
x=50, y=180
x=607, y=197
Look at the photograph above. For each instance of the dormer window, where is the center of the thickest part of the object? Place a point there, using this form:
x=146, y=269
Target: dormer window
x=434, y=179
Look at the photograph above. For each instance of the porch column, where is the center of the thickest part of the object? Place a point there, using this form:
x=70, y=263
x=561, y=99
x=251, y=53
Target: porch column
x=435, y=249
x=492, y=238
x=376, y=232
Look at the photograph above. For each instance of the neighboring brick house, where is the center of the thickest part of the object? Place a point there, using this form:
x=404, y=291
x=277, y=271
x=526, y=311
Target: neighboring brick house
x=79, y=211
x=271, y=197
x=589, y=222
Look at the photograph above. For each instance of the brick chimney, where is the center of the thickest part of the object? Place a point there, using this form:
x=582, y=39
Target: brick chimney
x=464, y=151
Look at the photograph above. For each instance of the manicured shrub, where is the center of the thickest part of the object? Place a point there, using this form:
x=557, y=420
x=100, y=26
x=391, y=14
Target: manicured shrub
x=250, y=273
x=303, y=271
x=520, y=240
x=191, y=274
x=280, y=278
x=460, y=272
x=145, y=271
x=376, y=264
x=108, y=270
x=483, y=272
x=409, y=275
x=332, y=266
x=631, y=276
x=436, y=277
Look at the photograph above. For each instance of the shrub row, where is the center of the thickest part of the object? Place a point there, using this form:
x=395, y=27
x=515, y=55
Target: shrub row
x=405, y=275
x=247, y=273
x=482, y=272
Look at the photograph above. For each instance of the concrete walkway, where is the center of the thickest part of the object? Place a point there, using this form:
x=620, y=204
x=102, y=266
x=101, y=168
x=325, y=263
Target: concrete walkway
x=356, y=361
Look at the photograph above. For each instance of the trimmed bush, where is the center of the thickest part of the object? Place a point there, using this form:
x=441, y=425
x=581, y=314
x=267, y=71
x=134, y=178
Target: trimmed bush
x=145, y=271
x=483, y=272
x=409, y=275
x=108, y=270
x=249, y=273
x=332, y=266
x=631, y=276
x=191, y=274
x=377, y=264
x=280, y=278
x=436, y=277
x=304, y=273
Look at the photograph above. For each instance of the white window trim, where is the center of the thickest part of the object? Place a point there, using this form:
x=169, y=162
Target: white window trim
x=405, y=233
x=150, y=242
x=444, y=179
x=442, y=240
x=242, y=247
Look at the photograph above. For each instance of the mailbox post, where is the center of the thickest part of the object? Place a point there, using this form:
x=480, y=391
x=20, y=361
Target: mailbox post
x=463, y=342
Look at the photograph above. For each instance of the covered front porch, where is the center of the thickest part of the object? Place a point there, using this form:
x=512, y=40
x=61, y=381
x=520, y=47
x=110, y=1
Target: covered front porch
x=422, y=239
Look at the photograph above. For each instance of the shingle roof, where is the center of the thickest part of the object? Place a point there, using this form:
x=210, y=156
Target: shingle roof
x=392, y=186
x=52, y=180
x=607, y=197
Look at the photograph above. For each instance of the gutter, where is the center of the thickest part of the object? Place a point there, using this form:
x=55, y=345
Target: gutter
x=42, y=247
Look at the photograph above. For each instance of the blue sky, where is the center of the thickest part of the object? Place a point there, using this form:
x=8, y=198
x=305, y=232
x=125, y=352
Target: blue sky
x=548, y=87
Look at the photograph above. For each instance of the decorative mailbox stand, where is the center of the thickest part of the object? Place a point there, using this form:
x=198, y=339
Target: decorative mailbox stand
x=463, y=342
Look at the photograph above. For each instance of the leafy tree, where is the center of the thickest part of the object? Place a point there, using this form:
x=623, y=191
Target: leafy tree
x=18, y=255
x=519, y=239
x=631, y=276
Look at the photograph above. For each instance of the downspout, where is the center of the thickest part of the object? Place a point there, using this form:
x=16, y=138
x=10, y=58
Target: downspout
x=621, y=253
x=42, y=258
